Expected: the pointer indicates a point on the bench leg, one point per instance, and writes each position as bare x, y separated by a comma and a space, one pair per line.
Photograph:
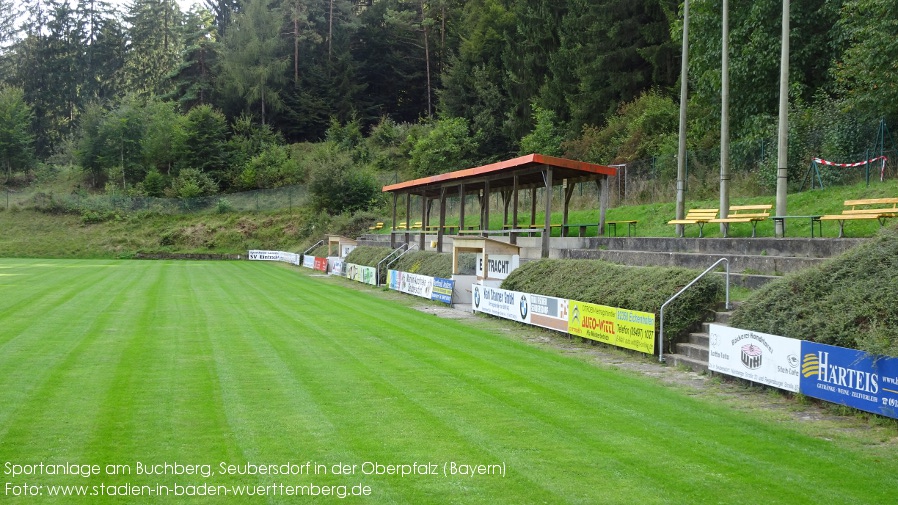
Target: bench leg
701, 230
726, 230
754, 225
630, 226
841, 229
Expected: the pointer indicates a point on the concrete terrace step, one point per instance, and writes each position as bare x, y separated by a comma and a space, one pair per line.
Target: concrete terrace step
696, 365
694, 351
699, 338
756, 264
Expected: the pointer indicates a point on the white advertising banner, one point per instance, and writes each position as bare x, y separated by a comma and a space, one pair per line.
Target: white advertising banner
413, 284
502, 303
335, 266
755, 356
308, 261
260, 255
498, 266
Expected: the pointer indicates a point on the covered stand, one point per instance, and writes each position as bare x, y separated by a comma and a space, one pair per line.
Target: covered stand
507, 178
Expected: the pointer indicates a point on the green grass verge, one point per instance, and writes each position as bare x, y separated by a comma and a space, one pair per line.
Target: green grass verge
120, 362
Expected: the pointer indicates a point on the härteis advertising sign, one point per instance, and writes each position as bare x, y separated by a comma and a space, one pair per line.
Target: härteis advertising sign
849, 377
755, 356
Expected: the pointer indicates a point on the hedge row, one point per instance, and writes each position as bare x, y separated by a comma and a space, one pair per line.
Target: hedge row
849, 301
643, 289
367, 255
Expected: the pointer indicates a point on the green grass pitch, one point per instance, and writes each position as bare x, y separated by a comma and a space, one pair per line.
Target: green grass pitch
127, 365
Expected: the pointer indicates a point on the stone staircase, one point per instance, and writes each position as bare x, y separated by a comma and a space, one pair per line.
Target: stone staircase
693, 353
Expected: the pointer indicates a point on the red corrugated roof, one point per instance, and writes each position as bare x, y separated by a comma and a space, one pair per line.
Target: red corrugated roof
522, 162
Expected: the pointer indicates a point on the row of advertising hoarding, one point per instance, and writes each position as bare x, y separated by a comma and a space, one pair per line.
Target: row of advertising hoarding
625, 328
835, 374
432, 288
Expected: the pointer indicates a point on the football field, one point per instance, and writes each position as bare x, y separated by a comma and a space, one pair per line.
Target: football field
252, 382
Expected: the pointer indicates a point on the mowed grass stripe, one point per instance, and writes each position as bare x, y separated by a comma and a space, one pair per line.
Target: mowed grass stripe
201, 362
61, 357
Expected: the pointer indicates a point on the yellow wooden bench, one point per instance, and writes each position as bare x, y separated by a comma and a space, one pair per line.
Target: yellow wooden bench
697, 216
417, 225
870, 208
377, 226
744, 214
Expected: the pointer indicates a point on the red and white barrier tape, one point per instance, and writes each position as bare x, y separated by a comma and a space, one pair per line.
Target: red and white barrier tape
882, 168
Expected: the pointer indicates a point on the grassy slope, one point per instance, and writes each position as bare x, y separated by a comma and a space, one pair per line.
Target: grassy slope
199, 362
32, 234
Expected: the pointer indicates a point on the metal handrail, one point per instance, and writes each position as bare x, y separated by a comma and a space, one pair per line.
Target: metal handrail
687, 286
407, 250
387, 257
314, 246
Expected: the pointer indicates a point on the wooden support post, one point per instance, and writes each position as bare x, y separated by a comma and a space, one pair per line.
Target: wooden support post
424, 209
547, 228
568, 193
393, 223
513, 237
485, 205
442, 219
461, 208
602, 183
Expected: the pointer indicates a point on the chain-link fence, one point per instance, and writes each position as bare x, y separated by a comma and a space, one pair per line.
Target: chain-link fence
284, 198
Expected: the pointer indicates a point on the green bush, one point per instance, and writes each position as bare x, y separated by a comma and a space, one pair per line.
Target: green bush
846, 302
367, 255
429, 263
642, 289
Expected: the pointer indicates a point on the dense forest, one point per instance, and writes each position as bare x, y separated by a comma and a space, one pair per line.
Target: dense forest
242, 94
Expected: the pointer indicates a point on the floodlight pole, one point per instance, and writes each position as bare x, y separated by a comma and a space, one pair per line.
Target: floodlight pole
725, 116
782, 155
681, 151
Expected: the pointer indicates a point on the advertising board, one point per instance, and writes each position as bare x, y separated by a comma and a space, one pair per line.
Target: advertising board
629, 329
755, 356
442, 290
549, 312
361, 273
320, 264
260, 255
308, 261
502, 303
498, 266
335, 266
848, 377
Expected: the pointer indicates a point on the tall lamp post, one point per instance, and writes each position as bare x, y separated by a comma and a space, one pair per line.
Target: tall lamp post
681, 151
782, 155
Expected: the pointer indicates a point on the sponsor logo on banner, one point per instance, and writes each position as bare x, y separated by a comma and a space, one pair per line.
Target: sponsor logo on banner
755, 356
308, 261
629, 329
442, 290
361, 273
501, 303
256, 255
549, 312
498, 266
320, 264
335, 266
850, 377
287, 257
